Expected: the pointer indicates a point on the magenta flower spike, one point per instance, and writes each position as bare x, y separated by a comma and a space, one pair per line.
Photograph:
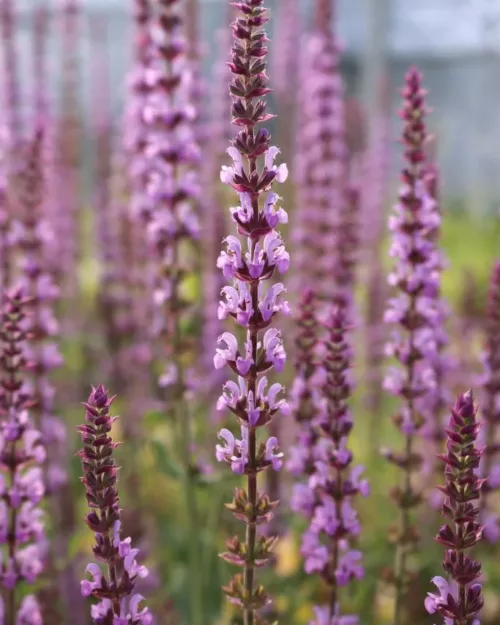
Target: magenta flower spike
21, 458
490, 466
118, 604
459, 599
327, 545
34, 239
412, 313
249, 261
169, 208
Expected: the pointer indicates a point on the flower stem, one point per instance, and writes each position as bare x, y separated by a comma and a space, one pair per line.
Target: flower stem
196, 603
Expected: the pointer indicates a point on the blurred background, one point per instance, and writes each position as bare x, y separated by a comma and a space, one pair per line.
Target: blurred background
455, 43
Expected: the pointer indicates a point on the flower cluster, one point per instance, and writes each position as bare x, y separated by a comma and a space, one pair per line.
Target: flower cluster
413, 313
253, 307
490, 467
21, 456
460, 600
327, 544
171, 156
34, 236
117, 604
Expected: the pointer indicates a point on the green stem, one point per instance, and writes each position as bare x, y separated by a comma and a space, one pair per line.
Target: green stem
196, 603
402, 549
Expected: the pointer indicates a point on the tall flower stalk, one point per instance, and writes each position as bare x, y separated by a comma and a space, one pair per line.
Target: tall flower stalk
22, 454
117, 602
170, 214
35, 239
459, 599
327, 543
491, 407
411, 312
251, 306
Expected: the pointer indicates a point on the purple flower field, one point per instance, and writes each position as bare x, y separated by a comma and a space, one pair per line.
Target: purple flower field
247, 375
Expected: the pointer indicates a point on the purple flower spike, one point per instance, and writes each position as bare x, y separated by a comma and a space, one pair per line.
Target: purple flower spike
118, 605
250, 261
413, 312
35, 240
460, 599
21, 486
333, 482
490, 467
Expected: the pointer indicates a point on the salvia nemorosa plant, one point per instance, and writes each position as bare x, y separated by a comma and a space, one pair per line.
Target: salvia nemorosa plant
251, 305
459, 598
490, 409
172, 160
117, 602
21, 459
34, 239
327, 544
411, 312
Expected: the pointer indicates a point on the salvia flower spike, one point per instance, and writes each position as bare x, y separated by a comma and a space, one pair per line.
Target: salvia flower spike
250, 264
22, 455
412, 313
118, 604
327, 545
459, 599
490, 466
